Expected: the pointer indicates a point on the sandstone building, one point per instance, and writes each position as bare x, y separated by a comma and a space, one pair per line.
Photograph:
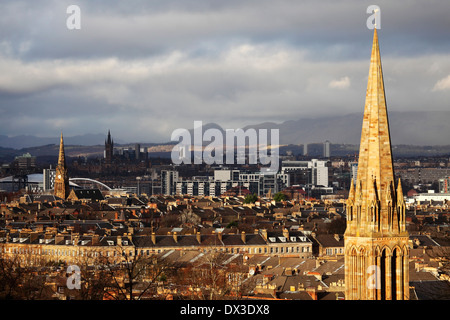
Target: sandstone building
376, 240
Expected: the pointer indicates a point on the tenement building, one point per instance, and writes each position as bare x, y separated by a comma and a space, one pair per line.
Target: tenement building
36, 248
376, 240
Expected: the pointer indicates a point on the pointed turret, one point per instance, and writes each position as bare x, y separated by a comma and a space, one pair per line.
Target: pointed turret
401, 207
351, 194
399, 191
109, 137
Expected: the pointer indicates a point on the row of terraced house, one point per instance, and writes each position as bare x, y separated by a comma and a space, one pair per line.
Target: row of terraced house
35, 247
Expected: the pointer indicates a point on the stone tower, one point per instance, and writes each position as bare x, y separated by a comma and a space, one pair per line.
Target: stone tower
109, 147
61, 178
376, 240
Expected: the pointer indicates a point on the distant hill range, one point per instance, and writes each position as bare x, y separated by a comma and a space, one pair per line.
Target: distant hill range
407, 128
27, 141
412, 133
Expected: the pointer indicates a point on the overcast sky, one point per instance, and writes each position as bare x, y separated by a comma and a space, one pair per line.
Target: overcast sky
145, 68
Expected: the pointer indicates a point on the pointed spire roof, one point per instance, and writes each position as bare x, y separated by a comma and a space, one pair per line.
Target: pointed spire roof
61, 156
109, 141
375, 154
351, 193
399, 191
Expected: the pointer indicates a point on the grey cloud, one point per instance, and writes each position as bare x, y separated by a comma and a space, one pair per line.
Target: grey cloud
144, 68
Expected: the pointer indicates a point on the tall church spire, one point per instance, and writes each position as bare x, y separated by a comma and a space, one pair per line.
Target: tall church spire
375, 178
376, 241
61, 188
61, 156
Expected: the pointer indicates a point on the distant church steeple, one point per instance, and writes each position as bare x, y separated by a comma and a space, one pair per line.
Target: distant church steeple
376, 240
109, 147
61, 189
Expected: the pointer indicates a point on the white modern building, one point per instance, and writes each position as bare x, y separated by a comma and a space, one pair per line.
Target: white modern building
317, 170
259, 183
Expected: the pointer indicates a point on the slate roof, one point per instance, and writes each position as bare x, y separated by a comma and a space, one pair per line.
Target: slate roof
329, 240
431, 290
92, 194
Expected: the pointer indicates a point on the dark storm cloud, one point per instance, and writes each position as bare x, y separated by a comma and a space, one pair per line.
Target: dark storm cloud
130, 29
147, 67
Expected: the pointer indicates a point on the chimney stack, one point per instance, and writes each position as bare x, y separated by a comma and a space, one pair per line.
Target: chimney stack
154, 238
285, 233
243, 236
199, 237
75, 237
175, 237
95, 239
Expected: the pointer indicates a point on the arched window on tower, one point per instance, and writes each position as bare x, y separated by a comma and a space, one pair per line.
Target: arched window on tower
383, 275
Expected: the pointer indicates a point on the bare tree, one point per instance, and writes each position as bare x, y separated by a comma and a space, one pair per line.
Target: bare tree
132, 277
20, 278
213, 277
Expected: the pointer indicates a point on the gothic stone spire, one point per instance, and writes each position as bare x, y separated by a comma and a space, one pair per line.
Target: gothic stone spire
61, 156
376, 239
375, 178
61, 188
